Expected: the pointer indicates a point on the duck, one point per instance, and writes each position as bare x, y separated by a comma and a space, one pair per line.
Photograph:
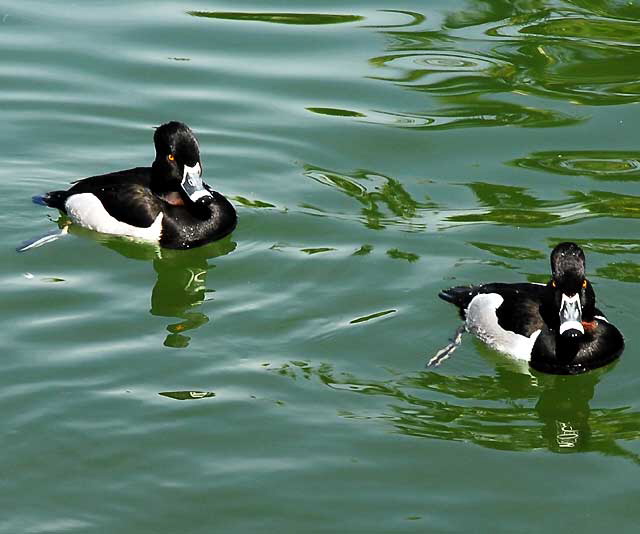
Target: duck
555, 327
167, 203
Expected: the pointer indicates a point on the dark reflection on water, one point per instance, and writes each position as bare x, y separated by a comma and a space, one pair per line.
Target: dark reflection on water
373, 191
509, 411
336, 112
181, 277
187, 395
278, 18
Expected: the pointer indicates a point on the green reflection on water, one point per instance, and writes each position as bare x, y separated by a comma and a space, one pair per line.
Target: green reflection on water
278, 18
587, 29
530, 48
508, 411
612, 246
516, 206
371, 316
599, 164
372, 190
252, 203
510, 205
511, 252
335, 112
608, 204
622, 271
364, 250
478, 113
609, 8
398, 254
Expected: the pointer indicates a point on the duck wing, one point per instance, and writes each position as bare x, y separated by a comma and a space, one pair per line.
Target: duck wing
519, 311
125, 196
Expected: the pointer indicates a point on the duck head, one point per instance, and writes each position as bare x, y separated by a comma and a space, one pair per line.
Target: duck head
177, 166
573, 295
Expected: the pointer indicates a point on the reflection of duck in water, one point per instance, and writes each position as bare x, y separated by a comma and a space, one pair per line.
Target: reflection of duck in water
181, 285
555, 327
181, 279
563, 408
571, 425
507, 410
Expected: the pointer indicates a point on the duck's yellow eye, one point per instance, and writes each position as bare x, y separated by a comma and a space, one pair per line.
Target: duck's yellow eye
171, 157
584, 284
553, 283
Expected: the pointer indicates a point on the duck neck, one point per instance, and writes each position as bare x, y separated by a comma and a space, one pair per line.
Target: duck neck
158, 184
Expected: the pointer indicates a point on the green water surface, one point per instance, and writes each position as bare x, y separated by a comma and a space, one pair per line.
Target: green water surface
275, 381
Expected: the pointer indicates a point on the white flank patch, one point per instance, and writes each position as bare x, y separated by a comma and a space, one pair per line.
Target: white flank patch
86, 210
482, 321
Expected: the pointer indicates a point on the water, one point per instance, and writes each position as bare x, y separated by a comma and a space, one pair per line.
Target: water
275, 381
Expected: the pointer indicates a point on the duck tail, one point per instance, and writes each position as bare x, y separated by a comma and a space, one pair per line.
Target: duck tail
38, 241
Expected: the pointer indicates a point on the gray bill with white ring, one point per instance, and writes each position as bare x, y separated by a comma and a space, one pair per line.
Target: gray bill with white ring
193, 185
571, 316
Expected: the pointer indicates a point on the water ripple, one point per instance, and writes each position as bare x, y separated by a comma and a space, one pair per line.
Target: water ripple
564, 54
517, 206
506, 411
599, 164
384, 199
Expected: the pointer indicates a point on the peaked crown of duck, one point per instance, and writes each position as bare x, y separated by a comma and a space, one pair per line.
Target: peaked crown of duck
573, 296
176, 138
177, 166
568, 267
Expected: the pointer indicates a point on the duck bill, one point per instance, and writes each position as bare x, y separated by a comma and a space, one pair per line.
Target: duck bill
193, 185
571, 317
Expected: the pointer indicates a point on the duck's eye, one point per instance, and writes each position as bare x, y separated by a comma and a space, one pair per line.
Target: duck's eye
171, 157
553, 283
584, 284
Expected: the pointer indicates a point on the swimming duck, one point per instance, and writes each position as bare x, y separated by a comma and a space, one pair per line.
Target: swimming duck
556, 327
167, 203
